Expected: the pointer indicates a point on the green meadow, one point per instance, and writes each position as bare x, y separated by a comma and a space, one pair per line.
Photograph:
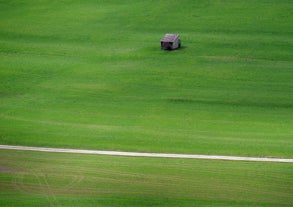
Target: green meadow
91, 75
51, 179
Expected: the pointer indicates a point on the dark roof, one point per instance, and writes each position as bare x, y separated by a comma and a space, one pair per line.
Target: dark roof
170, 37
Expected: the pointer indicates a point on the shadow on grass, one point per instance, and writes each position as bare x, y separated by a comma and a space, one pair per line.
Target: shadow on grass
178, 49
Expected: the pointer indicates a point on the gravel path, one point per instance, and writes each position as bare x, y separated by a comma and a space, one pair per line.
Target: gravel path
142, 154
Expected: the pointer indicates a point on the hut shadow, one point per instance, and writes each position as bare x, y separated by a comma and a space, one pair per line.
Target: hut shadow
177, 49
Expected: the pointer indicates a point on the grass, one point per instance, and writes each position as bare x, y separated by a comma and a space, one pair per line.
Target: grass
91, 75
42, 179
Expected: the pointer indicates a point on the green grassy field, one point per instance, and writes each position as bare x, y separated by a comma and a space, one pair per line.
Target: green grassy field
49, 179
90, 74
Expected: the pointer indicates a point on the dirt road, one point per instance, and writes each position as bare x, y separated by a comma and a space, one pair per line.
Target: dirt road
142, 154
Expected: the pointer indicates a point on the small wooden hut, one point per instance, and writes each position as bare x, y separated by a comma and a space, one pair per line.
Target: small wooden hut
170, 42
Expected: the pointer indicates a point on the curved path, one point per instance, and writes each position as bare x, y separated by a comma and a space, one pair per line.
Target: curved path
142, 154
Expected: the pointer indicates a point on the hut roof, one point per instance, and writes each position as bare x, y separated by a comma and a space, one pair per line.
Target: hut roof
170, 37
